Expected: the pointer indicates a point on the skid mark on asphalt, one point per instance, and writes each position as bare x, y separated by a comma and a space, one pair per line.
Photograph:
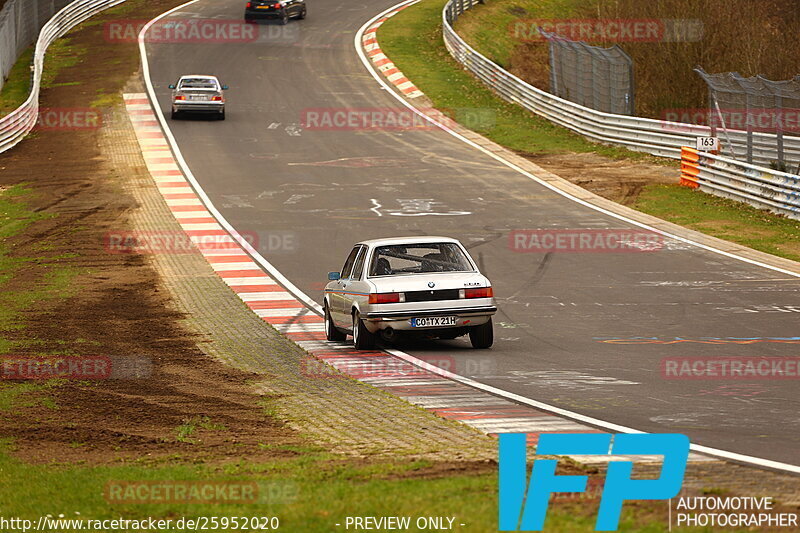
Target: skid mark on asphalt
273, 304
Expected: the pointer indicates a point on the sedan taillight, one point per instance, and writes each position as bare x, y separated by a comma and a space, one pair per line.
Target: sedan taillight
180, 97
249, 5
277, 6
217, 99
483, 292
386, 298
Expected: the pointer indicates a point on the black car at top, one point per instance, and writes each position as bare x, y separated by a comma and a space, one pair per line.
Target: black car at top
282, 10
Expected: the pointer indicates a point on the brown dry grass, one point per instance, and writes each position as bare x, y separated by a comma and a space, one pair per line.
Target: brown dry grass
748, 36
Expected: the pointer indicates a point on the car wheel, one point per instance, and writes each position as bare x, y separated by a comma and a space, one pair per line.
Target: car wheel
222, 115
284, 18
482, 336
174, 115
362, 338
332, 333
302, 14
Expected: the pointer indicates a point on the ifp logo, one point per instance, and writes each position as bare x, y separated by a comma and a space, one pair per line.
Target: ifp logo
521, 511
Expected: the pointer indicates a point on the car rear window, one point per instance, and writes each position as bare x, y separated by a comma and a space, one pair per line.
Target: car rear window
397, 260
198, 84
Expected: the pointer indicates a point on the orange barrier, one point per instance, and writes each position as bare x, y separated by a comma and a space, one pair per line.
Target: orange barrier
690, 167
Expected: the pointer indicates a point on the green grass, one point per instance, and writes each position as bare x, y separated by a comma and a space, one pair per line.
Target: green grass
18, 85
61, 54
722, 218
309, 493
185, 431
15, 396
495, 39
53, 281
15, 217
320, 497
413, 40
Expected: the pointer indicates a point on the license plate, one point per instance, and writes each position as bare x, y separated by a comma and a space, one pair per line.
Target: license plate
198, 97
434, 322
263, 7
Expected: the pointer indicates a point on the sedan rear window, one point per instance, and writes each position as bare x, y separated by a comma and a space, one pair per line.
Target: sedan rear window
403, 259
192, 83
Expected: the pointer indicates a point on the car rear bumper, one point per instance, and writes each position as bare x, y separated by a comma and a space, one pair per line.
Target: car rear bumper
401, 320
199, 107
457, 311
263, 13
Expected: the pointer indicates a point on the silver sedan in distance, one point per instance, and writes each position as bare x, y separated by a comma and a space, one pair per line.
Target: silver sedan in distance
198, 94
425, 286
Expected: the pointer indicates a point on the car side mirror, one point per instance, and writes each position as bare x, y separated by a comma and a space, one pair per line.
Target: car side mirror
333, 276
171, 85
225, 87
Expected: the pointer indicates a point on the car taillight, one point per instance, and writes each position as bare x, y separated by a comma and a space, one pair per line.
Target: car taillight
180, 97
217, 99
484, 292
277, 6
249, 5
385, 298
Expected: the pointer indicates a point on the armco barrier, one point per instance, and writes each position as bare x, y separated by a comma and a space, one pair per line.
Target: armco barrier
641, 134
763, 188
17, 124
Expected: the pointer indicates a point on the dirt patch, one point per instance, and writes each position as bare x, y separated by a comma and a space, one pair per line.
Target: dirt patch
617, 180
186, 406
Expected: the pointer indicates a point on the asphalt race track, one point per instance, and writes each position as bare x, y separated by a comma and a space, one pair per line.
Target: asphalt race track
584, 331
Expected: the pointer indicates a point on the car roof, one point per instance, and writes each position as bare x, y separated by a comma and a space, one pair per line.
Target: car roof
407, 240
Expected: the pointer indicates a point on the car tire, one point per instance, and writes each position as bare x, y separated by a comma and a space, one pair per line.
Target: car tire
332, 333
482, 336
362, 338
302, 14
174, 115
284, 20
222, 115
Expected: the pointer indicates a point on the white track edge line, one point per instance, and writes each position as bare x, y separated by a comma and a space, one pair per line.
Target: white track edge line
289, 286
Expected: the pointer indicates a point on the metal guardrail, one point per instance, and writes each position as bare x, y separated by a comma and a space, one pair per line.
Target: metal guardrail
17, 124
656, 137
776, 191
